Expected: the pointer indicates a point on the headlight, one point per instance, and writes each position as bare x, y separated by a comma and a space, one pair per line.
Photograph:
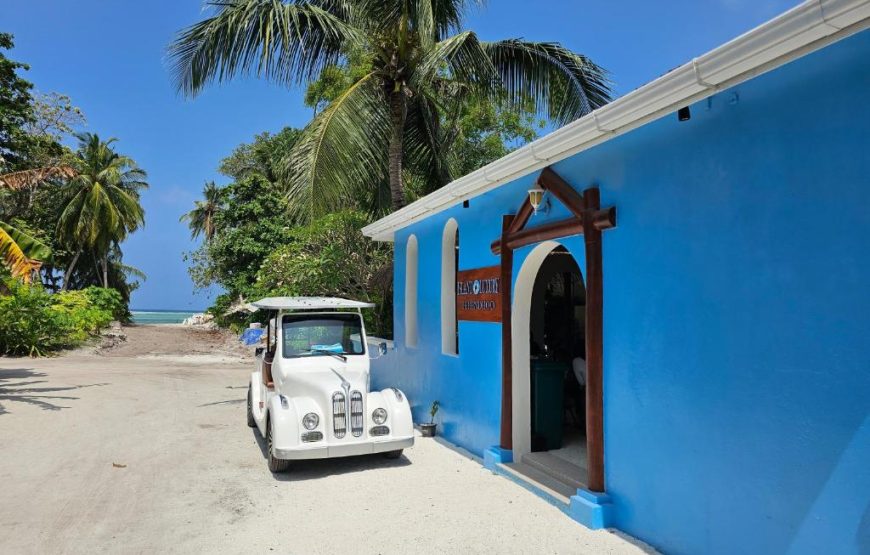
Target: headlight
310, 421
379, 416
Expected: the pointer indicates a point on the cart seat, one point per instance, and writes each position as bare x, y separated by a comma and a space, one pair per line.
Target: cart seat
267, 369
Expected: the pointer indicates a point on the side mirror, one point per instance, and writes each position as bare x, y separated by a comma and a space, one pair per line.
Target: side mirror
382, 348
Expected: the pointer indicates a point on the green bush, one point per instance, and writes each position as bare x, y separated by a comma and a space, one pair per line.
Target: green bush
34, 323
30, 324
108, 300
86, 316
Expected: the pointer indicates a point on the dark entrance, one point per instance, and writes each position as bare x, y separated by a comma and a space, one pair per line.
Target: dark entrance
558, 367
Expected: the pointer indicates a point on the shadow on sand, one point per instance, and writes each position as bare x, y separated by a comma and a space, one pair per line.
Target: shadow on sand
16, 385
315, 469
226, 402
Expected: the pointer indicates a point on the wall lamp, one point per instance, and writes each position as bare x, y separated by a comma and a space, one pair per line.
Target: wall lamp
684, 114
536, 199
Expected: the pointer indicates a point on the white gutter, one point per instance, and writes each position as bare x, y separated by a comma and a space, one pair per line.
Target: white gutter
797, 32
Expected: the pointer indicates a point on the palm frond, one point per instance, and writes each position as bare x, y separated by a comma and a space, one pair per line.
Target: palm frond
462, 57
424, 153
21, 253
562, 84
431, 19
407, 18
201, 220
130, 271
341, 151
286, 42
30, 178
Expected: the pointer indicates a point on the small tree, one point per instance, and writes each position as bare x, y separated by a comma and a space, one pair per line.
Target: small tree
331, 257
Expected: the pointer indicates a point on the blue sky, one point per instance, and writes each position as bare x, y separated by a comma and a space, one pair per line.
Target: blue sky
109, 56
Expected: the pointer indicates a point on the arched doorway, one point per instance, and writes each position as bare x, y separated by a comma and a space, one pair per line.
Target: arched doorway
548, 327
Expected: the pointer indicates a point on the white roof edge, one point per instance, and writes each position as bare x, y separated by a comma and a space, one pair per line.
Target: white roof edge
791, 35
308, 303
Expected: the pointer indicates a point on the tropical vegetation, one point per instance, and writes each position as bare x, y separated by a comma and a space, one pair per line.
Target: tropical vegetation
100, 204
34, 322
404, 100
414, 71
249, 220
331, 257
201, 219
63, 216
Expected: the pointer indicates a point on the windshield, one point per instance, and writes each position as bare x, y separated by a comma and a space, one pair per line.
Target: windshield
308, 335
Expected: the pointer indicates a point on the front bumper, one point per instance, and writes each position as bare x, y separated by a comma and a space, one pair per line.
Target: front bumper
343, 450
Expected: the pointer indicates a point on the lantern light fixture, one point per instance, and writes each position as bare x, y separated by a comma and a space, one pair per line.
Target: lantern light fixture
536, 199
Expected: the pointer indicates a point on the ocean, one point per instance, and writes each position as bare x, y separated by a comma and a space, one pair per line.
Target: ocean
160, 316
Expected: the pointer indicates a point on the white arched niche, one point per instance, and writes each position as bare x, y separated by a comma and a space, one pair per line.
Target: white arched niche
521, 415
411, 274
449, 256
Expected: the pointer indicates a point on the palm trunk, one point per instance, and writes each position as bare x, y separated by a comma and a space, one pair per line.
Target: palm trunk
397, 119
69, 270
106, 271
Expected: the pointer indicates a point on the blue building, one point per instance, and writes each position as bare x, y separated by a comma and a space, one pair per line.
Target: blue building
702, 246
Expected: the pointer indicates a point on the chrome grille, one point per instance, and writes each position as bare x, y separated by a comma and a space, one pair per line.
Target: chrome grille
356, 413
339, 414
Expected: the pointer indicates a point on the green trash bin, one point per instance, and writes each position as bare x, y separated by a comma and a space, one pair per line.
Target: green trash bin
548, 379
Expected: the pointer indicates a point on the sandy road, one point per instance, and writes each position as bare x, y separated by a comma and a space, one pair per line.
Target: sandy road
192, 477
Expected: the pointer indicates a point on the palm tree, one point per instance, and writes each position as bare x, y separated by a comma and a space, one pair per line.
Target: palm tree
22, 254
201, 219
422, 65
101, 203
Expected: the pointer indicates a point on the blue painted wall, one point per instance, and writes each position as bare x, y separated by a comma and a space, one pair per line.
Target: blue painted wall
737, 316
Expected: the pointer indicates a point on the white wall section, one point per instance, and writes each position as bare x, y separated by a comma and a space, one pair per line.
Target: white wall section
412, 266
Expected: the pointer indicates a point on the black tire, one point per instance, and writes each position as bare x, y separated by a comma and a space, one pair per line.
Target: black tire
275, 465
393, 454
251, 422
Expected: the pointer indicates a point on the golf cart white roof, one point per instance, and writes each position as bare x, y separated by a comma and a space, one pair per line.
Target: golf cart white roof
309, 303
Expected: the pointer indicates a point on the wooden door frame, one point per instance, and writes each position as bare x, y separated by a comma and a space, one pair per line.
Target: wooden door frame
589, 219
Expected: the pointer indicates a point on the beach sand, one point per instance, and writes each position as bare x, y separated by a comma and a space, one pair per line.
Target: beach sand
178, 342
144, 449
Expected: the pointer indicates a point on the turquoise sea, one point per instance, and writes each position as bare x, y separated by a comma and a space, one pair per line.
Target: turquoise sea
160, 316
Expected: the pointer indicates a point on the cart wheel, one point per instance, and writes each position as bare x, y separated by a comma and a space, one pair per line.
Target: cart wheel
393, 454
251, 422
275, 465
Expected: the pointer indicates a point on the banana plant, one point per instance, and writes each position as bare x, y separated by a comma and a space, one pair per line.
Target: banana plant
20, 253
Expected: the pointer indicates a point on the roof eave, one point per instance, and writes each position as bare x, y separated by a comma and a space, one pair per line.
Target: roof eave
793, 34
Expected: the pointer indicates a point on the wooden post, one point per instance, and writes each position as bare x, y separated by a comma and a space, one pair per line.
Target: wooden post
594, 344
507, 263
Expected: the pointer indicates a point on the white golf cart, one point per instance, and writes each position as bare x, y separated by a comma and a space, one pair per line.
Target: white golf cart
309, 396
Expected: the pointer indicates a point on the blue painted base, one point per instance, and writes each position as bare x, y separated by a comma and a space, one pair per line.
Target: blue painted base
496, 455
591, 509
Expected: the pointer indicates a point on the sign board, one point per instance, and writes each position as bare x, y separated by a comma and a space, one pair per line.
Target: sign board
477, 294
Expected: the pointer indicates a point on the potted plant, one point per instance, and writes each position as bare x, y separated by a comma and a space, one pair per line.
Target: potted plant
428, 429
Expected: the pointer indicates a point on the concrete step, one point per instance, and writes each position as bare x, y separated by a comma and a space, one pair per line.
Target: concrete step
557, 468
551, 487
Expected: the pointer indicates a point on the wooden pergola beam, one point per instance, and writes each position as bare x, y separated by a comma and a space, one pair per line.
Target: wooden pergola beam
521, 218
601, 219
559, 188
